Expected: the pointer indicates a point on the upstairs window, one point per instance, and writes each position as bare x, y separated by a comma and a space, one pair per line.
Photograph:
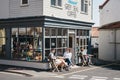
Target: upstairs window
84, 6
53, 2
24, 2
57, 3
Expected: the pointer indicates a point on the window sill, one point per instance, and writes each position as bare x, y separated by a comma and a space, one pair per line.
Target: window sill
24, 5
58, 7
86, 13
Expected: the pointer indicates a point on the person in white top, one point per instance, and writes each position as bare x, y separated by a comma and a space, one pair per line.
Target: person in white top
84, 55
84, 52
67, 56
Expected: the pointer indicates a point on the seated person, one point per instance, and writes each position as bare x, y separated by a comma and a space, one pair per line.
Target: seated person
84, 56
58, 61
68, 56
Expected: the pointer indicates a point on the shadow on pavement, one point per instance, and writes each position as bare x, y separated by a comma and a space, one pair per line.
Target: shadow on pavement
113, 67
8, 67
107, 64
18, 70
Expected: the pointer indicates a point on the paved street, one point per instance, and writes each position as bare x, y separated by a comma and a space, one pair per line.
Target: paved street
106, 72
111, 72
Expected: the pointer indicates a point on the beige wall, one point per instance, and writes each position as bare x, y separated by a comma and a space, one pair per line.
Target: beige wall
106, 46
110, 12
118, 44
63, 12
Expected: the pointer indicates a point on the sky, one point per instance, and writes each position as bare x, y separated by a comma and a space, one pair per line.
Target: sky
96, 4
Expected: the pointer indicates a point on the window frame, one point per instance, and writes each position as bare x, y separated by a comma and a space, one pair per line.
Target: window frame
56, 4
24, 4
84, 6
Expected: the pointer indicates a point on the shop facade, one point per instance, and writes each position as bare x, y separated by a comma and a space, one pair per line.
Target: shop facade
43, 33
29, 29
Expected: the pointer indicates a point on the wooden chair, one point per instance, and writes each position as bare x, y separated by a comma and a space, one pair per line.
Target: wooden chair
53, 64
84, 60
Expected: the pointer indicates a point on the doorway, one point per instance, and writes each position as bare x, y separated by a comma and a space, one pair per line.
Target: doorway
72, 46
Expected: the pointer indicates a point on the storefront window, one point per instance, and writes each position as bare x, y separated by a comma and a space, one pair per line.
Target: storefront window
47, 43
28, 31
47, 53
64, 42
53, 42
2, 43
64, 32
22, 31
87, 41
57, 40
81, 42
77, 42
83, 34
59, 32
79, 32
15, 31
82, 38
27, 43
84, 41
87, 32
59, 52
53, 32
47, 31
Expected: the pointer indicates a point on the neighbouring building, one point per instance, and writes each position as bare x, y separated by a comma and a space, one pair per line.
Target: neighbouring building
109, 39
108, 12
95, 37
42, 25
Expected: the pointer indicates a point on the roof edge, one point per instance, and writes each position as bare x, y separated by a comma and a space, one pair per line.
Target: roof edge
101, 6
113, 25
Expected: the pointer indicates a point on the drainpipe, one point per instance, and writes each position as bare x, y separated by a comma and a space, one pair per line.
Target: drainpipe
115, 46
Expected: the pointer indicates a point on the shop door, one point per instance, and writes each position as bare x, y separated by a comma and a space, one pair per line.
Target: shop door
72, 46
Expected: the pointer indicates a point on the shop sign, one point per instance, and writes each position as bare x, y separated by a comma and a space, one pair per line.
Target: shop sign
71, 7
73, 2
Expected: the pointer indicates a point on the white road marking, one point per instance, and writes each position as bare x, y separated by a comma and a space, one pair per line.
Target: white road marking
59, 76
81, 77
86, 69
116, 78
98, 78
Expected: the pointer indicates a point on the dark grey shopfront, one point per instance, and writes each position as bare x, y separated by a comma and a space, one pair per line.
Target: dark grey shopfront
43, 33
